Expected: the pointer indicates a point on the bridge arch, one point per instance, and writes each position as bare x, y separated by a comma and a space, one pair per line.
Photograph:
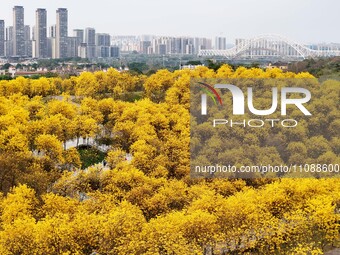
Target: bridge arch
268, 46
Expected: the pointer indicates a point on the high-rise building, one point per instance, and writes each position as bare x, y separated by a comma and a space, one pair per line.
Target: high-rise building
114, 52
144, 46
103, 51
161, 49
79, 34
18, 31
103, 40
61, 33
9, 33
33, 33
201, 44
2, 38
90, 40
9, 41
52, 31
220, 43
90, 36
189, 49
91, 51
40, 34
27, 41
51, 41
82, 50
72, 48
178, 45
51, 47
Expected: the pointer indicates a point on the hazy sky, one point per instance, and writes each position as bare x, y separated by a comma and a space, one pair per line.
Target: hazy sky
302, 20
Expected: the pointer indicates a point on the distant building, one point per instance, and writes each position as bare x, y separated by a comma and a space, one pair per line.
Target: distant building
189, 49
33, 33
72, 48
9, 41
220, 43
103, 51
53, 31
51, 47
51, 42
27, 41
126, 43
144, 46
79, 34
90, 36
40, 33
2, 38
91, 51
161, 49
114, 52
150, 50
18, 31
201, 44
325, 47
82, 50
61, 33
191, 67
103, 40
282, 66
90, 40
176, 45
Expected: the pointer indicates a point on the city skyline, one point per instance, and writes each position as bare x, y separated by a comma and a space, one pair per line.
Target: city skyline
88, 43
304, 21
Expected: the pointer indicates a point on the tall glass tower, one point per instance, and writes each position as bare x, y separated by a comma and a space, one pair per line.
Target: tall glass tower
18, 31
40, 33
61, 33
2, 38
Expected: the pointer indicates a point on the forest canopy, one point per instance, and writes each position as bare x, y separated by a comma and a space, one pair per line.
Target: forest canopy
143, 200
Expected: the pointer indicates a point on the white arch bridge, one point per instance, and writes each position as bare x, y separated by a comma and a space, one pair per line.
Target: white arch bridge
271, 46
